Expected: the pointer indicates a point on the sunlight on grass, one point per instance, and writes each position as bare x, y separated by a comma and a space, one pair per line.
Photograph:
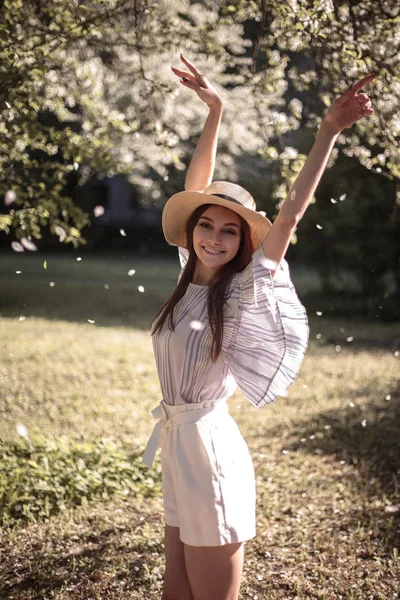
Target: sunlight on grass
325, 455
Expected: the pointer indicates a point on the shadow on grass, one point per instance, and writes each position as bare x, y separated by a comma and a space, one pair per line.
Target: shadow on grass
119, 308
368, 439
90, 559
98, 288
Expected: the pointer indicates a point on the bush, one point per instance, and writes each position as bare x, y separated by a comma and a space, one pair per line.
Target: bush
43, 476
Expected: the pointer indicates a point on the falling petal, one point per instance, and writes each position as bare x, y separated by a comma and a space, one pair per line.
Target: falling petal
122, 232
98, 211
364, 423
388, 397
18, 272
293, 195
22, 431
131, 272
10, 197
22, 318
106, 286
52, 284
45, 264
305, 386
61, 233
327, 426
17, 247
90, 321
319, 226
333, 201
197, 325
141, 289
28, 245
319, 313
396, 353
76, 166
350, 338
262, 212
338, 348
342, 197
352, 404
268, 263
79, 258
8, 104
318, 336
392, 509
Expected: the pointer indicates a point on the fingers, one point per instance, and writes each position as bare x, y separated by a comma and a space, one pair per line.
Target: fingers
190, 84
362, 83
195, 77
199, 77
190, 65
352, 91
362, 98
182, 73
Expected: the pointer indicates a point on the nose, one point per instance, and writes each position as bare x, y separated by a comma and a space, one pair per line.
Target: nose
215, 237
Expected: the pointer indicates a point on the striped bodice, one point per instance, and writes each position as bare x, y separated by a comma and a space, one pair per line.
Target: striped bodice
265, 337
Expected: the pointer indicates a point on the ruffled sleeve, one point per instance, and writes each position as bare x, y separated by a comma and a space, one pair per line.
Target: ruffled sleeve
265, 331
183, 258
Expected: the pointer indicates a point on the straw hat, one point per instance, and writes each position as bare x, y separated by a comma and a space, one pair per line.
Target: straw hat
180, 206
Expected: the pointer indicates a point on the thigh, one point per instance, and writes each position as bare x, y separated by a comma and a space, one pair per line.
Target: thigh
176, 582
215, 571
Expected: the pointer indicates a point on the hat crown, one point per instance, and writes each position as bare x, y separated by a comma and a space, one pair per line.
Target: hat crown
231, 191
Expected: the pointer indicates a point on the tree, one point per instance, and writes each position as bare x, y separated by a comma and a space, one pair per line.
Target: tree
86, 88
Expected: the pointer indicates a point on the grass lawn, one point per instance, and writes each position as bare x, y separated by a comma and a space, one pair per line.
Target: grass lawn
326, 456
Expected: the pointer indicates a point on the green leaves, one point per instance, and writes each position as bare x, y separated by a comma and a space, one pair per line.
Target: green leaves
88, 83
42, 477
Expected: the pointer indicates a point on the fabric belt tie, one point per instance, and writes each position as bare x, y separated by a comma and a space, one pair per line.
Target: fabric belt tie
190, 414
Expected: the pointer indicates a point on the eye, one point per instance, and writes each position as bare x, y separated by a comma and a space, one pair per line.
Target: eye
230, 231
205, 224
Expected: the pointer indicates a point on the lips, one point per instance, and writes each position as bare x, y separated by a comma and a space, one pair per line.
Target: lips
213, 252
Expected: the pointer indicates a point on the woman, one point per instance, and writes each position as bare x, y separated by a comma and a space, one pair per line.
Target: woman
234, 319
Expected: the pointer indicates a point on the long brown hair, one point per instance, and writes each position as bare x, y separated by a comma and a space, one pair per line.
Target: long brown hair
217, 289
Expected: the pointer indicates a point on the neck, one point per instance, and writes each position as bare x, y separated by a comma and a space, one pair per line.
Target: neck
202, 275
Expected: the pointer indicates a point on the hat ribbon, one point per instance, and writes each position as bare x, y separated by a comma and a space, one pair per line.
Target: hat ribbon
225, 197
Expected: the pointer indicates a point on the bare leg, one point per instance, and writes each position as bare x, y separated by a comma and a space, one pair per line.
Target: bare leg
215, 571
176, 583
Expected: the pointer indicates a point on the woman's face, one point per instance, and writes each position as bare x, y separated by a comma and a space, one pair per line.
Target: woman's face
216, 239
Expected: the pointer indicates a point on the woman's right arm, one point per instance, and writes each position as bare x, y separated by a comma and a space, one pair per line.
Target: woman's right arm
201, 168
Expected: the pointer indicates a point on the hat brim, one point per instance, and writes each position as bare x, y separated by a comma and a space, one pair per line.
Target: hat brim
180, 206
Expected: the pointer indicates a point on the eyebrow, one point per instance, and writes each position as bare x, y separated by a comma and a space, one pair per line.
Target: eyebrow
225, 225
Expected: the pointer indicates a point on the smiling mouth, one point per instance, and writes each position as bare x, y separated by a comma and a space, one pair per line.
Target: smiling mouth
213, 252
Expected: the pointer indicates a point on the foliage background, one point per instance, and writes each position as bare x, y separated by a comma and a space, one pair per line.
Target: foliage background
86, 89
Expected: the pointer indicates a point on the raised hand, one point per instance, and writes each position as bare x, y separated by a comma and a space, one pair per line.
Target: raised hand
197, 82
351, 106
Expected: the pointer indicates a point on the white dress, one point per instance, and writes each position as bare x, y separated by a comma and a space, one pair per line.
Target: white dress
208, 475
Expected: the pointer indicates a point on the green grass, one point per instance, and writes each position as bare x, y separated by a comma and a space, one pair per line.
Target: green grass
326, 456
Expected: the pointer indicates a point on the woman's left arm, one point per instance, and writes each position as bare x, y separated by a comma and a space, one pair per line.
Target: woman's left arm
345, 111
